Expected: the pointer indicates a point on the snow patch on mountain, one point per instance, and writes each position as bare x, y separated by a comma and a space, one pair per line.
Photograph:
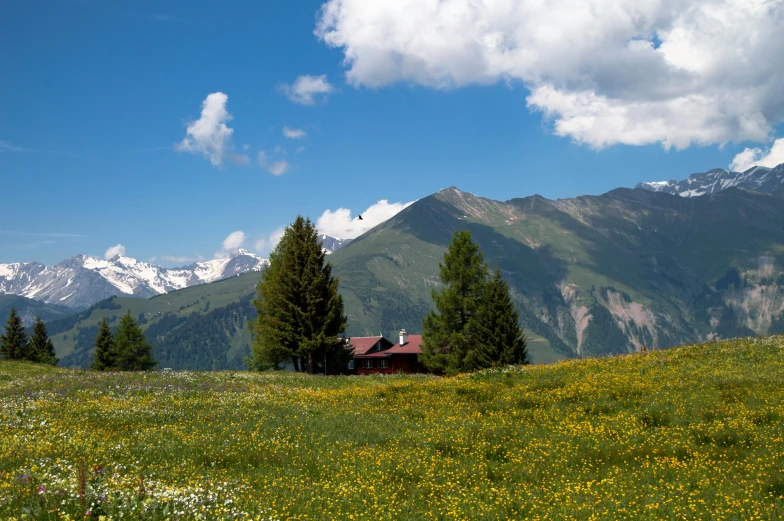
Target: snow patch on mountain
83, 280
757, 179
331, 244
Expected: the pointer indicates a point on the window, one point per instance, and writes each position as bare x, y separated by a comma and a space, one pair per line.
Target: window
384, 364
350, 364
367, 364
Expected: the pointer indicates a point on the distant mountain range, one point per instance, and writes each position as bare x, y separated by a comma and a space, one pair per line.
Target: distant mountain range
756, 179
81, 281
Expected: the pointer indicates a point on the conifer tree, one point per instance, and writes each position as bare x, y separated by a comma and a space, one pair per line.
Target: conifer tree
448, 329
40, 347
105, 355
13, 344
300, 313
134, 353
498, 338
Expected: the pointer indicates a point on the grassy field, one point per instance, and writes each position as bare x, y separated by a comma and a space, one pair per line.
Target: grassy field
688, 433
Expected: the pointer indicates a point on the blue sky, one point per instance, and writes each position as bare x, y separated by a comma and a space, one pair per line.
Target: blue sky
96, 99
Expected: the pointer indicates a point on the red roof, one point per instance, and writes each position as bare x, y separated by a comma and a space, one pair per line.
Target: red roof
363, 344
411, 347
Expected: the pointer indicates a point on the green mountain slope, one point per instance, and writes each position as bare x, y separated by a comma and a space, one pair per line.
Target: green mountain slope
201, 327
29, 309
594, 275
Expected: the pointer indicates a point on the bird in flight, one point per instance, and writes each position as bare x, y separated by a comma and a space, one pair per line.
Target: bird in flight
359, 217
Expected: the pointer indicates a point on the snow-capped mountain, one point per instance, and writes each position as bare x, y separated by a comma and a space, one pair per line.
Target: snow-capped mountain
757, 179
82, 280
330, 244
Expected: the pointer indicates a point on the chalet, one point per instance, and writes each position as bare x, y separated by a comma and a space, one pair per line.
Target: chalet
402, 357
364, 345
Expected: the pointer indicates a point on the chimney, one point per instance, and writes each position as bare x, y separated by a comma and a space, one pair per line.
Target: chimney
403, 337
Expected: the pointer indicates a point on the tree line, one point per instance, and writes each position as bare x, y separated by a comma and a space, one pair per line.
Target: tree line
125, 350
300, 318
301, 321
15, 345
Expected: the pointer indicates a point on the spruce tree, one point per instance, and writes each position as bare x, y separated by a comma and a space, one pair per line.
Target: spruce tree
498, 338
105, 355
13, 344
41, 348
134, 353
448, 329
300, 313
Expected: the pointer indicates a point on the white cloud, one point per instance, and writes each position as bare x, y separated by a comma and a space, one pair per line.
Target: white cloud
209, 135
113, 251
343, 225
294, 133
279, 167
264, 245
306, 88
234, 240
263, 160
300, 150
280, 150
675, 72
750, 157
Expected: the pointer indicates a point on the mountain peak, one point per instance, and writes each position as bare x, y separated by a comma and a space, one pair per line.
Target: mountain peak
756, 179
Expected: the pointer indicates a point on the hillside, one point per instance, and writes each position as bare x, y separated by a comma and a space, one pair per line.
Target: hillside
688, 433
593, 275
29, 309
202, 327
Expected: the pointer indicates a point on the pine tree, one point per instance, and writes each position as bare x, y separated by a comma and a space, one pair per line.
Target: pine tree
134, 353
105, 355
448, 329
300, 313
41, 348
498, 338
13, 344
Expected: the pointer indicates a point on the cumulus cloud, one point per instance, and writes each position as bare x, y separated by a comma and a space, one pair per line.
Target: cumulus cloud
264, 245
113, 251
234, 240
750, 157
341, 224
306, 90
209, 135
279, 167
294, 133
178, 258
603, 72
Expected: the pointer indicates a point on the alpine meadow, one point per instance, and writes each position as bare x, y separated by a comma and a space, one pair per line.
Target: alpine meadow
392, 260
